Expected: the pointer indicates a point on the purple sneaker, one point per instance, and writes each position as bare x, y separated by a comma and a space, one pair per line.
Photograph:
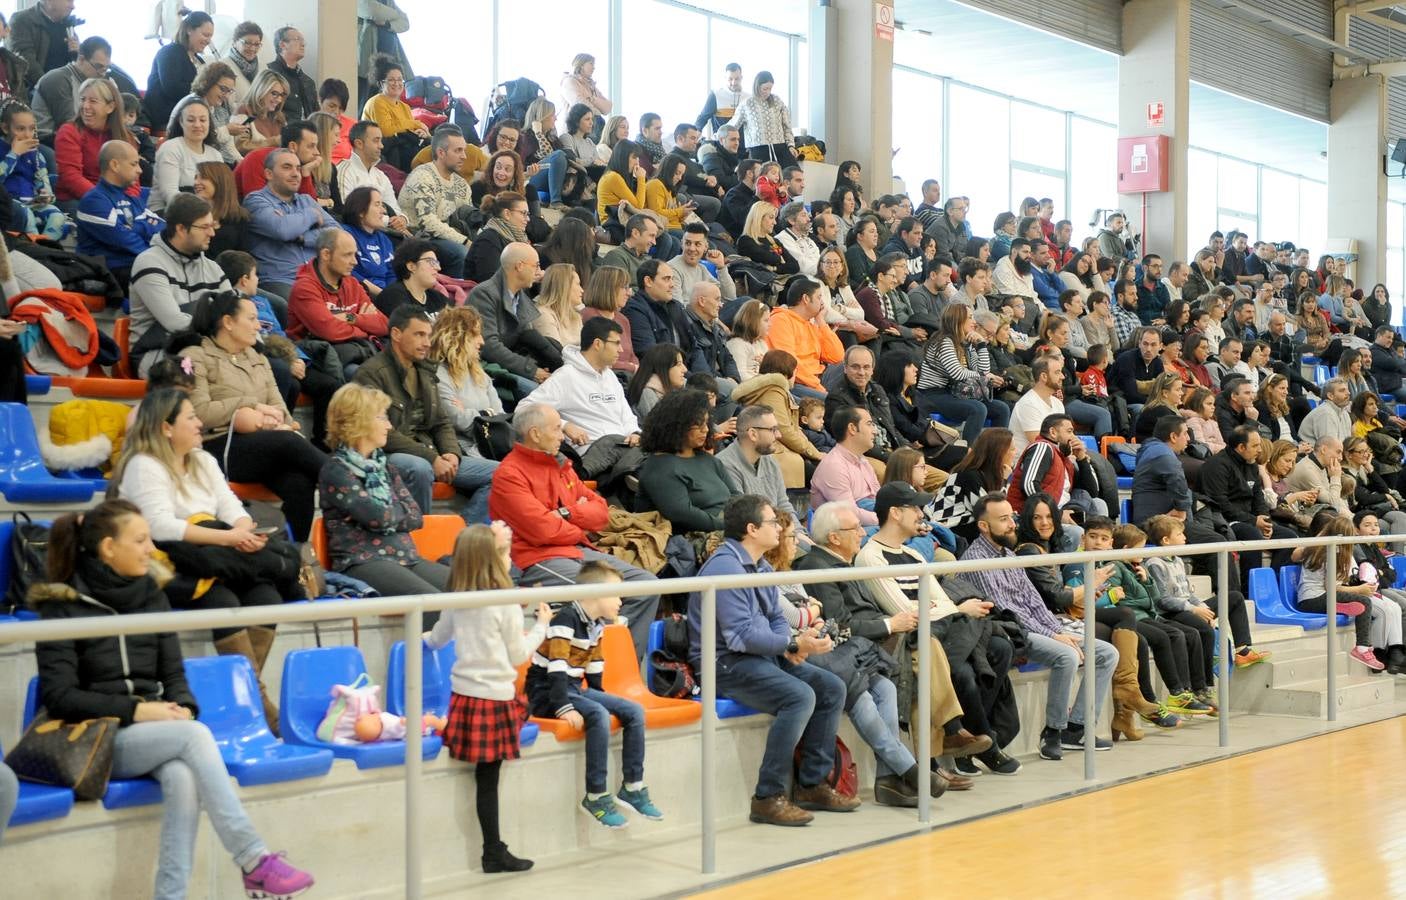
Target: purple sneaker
274, 879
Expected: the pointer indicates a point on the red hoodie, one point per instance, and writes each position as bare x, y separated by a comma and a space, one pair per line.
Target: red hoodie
529, 488
316, 311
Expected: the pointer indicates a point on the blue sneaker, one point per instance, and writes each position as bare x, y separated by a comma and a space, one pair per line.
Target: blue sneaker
604, 811
639, 801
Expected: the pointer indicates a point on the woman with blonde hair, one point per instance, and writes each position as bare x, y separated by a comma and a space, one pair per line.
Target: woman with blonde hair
1163, 399
367, 511
758, 244
559, 305
539, 145
616, 129
465, 390
324, 175
221, 559
262, 112
1356, 597
606, 296
77, 144
579, 86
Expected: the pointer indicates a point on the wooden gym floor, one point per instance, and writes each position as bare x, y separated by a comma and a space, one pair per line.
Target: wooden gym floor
1322, 817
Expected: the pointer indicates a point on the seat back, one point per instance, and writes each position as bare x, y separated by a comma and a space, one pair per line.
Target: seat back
1264, 588
435, 687
1289, 578
308, 678
622, 670
318, 539
228, 693
435, 539
1398, 566
122, 334
23, 477
31, 702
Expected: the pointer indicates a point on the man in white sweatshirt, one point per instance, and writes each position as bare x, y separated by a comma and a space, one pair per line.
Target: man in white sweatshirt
599, 425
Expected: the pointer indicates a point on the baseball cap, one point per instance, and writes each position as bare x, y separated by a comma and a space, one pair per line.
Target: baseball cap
898, 493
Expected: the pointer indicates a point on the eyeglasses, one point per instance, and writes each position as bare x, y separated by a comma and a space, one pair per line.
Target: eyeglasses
211, 227
770, 522
521, 212
278, 95
394, 81
432, 261
251, 44
224, 89
774, 429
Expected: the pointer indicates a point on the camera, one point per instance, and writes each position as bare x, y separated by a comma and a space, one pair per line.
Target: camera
73, 22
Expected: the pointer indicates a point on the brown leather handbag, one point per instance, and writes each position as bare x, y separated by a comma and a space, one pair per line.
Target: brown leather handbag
75, 755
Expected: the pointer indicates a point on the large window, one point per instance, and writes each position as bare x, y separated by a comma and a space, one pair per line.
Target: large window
442, 51
917, 138
1395, 257
1092, 164
546, 56
978, 148
661, 39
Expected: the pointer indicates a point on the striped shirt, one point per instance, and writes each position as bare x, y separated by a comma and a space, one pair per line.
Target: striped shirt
570, 653
941, 365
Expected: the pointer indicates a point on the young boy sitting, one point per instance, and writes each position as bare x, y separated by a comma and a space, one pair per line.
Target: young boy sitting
813, 424
1179, 604
571, 652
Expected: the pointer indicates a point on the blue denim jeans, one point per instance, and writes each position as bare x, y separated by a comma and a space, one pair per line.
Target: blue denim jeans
806, 701
875, 716
474, 478
596, 707
451, 256
551, 176
1063, 660
182, 756
972, 413
1090, 414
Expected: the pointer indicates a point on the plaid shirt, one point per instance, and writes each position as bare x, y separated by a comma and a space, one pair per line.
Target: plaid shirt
1124, 324
1011, 589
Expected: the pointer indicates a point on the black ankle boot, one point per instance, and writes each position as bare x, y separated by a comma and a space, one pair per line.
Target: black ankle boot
1396, 660
496, 858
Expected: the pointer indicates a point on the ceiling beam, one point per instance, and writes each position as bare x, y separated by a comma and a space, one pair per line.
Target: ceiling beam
1365, 6
1393, 68
1251, 13
1385, 22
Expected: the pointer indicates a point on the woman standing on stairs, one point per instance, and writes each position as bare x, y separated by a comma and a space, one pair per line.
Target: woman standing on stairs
221, 560
99, 564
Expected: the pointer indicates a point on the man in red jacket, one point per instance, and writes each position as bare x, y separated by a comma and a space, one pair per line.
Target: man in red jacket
328, 304
1057, 463
553, 515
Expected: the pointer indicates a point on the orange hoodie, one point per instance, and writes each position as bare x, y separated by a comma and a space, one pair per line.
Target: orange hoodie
814, 346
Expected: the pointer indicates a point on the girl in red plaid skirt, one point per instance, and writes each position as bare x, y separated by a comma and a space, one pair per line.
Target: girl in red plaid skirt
485, 713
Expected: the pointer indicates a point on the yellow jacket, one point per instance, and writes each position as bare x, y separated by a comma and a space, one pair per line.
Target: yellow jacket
392, 115
475, 161
658, 199
612, 189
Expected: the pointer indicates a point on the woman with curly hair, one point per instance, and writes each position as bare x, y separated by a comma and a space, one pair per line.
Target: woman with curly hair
504, 172
465, 390
680, 477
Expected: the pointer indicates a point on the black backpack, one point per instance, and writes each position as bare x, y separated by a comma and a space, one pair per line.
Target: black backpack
29, 557
670, 673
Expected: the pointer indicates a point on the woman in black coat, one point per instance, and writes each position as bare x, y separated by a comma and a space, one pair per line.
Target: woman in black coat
99, 565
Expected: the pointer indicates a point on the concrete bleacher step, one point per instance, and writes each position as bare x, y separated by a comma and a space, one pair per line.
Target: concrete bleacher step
1294, 682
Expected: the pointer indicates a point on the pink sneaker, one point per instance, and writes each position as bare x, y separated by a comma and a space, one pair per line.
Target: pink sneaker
274, 879
1369, 659
1351, 608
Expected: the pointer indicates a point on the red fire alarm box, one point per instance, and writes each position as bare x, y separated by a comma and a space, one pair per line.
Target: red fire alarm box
1143, 164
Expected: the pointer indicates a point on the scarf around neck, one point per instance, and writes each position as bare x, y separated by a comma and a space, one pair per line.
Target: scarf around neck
247, 68
126, 595
371, 470
509, 231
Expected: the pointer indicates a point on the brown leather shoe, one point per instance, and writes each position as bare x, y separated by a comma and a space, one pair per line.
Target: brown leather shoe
892, 790
964, 743
824, 798
778, 811
955, 781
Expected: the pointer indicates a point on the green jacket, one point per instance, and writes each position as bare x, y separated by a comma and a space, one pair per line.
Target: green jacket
1139, 596
435, 432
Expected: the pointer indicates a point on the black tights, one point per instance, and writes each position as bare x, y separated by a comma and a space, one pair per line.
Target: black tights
1362, 625
1180, 670
486, 802
221, 597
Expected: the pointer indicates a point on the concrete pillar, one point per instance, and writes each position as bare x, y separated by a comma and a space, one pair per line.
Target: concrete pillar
328, 26
1154, 69
863, 89
1357, 184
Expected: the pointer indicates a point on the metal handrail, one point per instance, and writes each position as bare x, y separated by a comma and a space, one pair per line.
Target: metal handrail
414, 606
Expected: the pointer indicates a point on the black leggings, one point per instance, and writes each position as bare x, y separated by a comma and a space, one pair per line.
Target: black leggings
1181, 671
222, 597
283, 461
1362, 625
486, 802
1239, 618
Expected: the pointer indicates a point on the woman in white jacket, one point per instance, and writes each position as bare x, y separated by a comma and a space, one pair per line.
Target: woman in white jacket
189, 143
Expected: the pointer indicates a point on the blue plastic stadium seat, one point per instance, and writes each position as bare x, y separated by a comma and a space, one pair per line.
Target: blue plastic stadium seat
1398, 565
1270, 608
23, 478
37, 385
1090, 442
435, 688
1289, 578
121, 792
39, 802
1321, 374
1125, 482
726, 709
1125, 511
308, 678
228, 693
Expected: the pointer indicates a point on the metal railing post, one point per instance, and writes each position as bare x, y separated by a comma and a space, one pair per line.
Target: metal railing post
1330, 578
414, 742
924, 723
708, 659
1090, 676
1227, 644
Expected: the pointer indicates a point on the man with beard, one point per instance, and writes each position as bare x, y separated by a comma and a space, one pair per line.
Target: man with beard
950, 228
1050, 641
1151, 292
1012, 276
750, 462
719, 157
1125, 318
1132, 372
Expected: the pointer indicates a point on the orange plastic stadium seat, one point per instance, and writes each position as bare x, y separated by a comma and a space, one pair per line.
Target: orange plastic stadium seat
101, 386
622, 678
436, 538
318, 539
122, 334
557, 728
1110, 439
249, 491
442, 491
